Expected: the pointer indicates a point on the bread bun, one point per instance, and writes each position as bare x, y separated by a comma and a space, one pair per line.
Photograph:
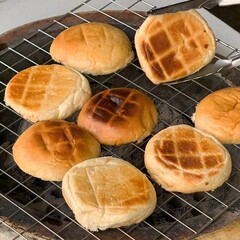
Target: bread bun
219, 113
47, 92
49, 148
107, 193
118, 116
92, 48
184, 159
174, 45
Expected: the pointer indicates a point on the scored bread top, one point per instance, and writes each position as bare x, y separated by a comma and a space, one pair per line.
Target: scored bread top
49, 148
47, 92
119, 115
108, 192
172, 46
93, 48
184, 159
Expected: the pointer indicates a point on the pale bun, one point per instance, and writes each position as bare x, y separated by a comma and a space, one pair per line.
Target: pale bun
174, 45
119, 116
93, 48
107, 193
49, 148
184, 159
47, 92
219, 113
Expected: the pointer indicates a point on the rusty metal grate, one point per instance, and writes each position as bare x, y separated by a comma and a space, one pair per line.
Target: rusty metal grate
34, 209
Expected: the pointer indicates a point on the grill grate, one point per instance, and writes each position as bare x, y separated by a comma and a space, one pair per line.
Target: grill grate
31, 208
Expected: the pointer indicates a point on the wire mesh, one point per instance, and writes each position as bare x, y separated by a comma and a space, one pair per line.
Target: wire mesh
34, 209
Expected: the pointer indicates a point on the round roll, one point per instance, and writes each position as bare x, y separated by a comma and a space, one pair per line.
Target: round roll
184, 159
47, 92
94, 48
107, 193
219, 113
48, 149
174, 45
118, 116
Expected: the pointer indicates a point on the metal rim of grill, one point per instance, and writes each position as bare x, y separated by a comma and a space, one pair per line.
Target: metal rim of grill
175, 213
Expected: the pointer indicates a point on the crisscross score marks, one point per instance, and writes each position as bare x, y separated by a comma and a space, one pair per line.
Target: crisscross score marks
190, 153
42, 87
175, 47
91, 37
61, 139
114, 105
102, 190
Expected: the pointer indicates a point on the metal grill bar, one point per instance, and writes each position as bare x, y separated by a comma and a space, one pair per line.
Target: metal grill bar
179, 92
192, 206
131, 6
36, 46
39, 196
27, 213
179, 221
23, 56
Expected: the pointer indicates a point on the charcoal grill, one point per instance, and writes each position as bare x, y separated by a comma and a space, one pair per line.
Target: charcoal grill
35, 209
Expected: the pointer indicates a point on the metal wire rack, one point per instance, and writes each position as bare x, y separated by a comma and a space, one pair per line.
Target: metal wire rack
34, 209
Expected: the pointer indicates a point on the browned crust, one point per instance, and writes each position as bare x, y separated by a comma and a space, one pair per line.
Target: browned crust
115, 116
172, 46
183, 159
48, 149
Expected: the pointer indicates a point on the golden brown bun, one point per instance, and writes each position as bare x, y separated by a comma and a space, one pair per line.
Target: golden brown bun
108, 193
219, 113
118, 116
172, 46
94, 48
49, 148
184, 159
47, 92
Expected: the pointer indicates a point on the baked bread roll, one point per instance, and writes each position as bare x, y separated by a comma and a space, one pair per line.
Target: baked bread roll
49, 148
107, 193
92, 48
219, 113
174, 45
118, 116
47, 92
184, 159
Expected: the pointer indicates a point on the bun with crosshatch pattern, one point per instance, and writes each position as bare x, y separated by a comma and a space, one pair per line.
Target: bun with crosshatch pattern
47, 92
174, 45
184, 159
108, 192
49, 148
119, 116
